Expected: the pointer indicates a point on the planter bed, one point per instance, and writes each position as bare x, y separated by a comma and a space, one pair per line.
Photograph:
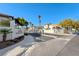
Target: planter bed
10, 42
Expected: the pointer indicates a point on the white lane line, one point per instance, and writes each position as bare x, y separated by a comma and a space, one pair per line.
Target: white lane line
68, 39
29, 50
49, 36
37, 44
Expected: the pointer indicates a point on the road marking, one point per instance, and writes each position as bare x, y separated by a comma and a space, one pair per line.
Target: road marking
29, 50
68, 39
49, 36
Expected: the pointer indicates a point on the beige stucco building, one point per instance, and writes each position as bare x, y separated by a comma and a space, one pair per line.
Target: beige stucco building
53, 28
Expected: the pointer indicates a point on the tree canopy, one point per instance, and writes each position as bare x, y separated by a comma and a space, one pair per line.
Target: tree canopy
70, 22
21, 21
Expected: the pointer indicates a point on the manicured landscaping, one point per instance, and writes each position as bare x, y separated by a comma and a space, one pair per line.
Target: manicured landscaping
7, 43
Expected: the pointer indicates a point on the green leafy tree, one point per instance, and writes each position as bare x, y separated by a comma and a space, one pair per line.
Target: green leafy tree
76, 25
70, 23
21, 21
66, 22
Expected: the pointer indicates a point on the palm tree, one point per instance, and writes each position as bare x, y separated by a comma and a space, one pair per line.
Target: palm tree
30, 24
39, 17
5, 32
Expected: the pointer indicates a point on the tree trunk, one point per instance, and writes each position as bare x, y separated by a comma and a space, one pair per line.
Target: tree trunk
4, 37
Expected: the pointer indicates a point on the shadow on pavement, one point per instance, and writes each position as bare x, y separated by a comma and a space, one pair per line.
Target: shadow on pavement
36, 37
35, 34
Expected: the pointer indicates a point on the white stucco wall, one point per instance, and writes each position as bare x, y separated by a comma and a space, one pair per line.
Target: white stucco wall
51, 29
1, 37
15, 31
48, 31
8, 37
54, 31
12, 35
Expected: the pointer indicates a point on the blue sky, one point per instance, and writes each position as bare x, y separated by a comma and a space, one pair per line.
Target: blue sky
51, 13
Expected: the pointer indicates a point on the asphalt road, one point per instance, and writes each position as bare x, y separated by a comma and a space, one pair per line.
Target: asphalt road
39, 38
48, 48
52, 47
44, 46
72, 48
